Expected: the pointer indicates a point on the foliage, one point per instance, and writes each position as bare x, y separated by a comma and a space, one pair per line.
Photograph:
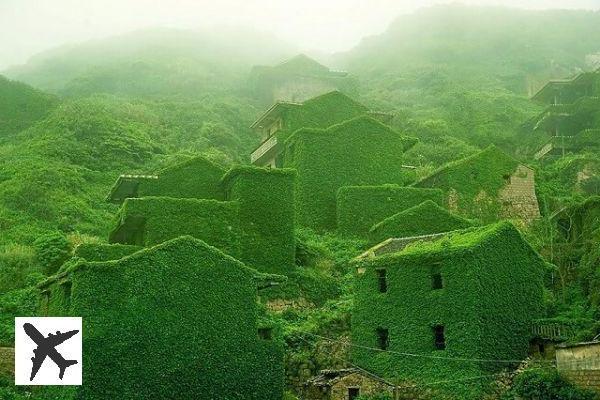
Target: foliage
547, 385
360, 151
104, 252
17, 303
21, 106
490, 277
152, 220
17, 262
51, 251
194, 178
423, 219
361, 207
485, 172
266, 216
151, 301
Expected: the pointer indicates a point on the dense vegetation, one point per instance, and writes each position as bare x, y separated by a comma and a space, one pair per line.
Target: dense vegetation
457, 78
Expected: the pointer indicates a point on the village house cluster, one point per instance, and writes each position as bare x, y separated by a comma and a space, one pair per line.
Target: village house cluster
193, 244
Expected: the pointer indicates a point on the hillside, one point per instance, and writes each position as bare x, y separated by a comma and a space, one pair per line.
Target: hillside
468, 71
21, 106
152, 62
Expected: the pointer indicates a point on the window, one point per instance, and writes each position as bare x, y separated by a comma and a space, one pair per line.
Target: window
265, 333
383, 338
506, 178
382, 280
67, 287
353, 393
439, 337
436, 281
436, 276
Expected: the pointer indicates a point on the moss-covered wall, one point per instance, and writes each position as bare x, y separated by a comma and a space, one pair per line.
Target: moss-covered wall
177, 321
153, 220
361, 151
194, 178
266, 214
472, 185
361, 207
104, 252
491, 291
424, 219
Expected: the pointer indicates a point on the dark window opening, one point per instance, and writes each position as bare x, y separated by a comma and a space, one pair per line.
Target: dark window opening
382, 280
353, 393
436, 281
439, 337
67, 287
383, 338
265, 333
541, 348
506, 178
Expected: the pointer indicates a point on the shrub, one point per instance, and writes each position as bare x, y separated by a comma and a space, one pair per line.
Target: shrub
547, 384
16, 263
52, 250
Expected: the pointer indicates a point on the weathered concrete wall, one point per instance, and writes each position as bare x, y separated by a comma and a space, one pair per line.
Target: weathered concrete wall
7, 363
518, 196
580, 364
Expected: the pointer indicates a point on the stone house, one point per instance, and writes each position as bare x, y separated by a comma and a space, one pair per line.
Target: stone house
466, 295
283, 118
489, 185
296, 80
346, 384
580, 363
178, 320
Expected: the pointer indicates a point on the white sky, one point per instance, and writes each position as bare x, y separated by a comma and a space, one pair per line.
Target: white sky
30, 26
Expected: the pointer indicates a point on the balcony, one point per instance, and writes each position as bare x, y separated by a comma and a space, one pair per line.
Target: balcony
266, 151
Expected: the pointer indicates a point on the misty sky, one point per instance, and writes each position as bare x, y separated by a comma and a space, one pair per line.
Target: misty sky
30, 26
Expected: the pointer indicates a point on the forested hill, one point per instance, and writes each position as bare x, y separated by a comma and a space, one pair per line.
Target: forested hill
153, 62
467, 72
21, 106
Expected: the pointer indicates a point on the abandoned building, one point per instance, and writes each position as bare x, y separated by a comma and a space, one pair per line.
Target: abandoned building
358, 152
284, 118
195, 178
424, 219
571, 118
253, 219
296, 80
178, 320
489, 185
346, 384
465, 296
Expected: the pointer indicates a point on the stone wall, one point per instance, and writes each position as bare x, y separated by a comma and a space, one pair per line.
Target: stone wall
580, 364
518, 196
365, 384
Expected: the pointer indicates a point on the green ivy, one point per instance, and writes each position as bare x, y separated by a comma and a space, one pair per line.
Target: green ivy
361, 207
491, 292
187, 309
423, 219
104, 252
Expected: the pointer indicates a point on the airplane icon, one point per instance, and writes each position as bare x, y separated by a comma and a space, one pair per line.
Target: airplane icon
46, 347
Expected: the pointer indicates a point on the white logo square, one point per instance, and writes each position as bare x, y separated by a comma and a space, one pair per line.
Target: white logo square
48, 351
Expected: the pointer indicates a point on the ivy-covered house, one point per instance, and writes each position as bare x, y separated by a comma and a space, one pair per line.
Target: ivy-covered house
358, 152
254, 220
178, 320
283, 118
489, 185
424, 219
572, 117
458, 307
195, 178
296, 80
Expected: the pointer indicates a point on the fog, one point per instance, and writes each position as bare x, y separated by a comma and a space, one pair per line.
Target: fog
30, 26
